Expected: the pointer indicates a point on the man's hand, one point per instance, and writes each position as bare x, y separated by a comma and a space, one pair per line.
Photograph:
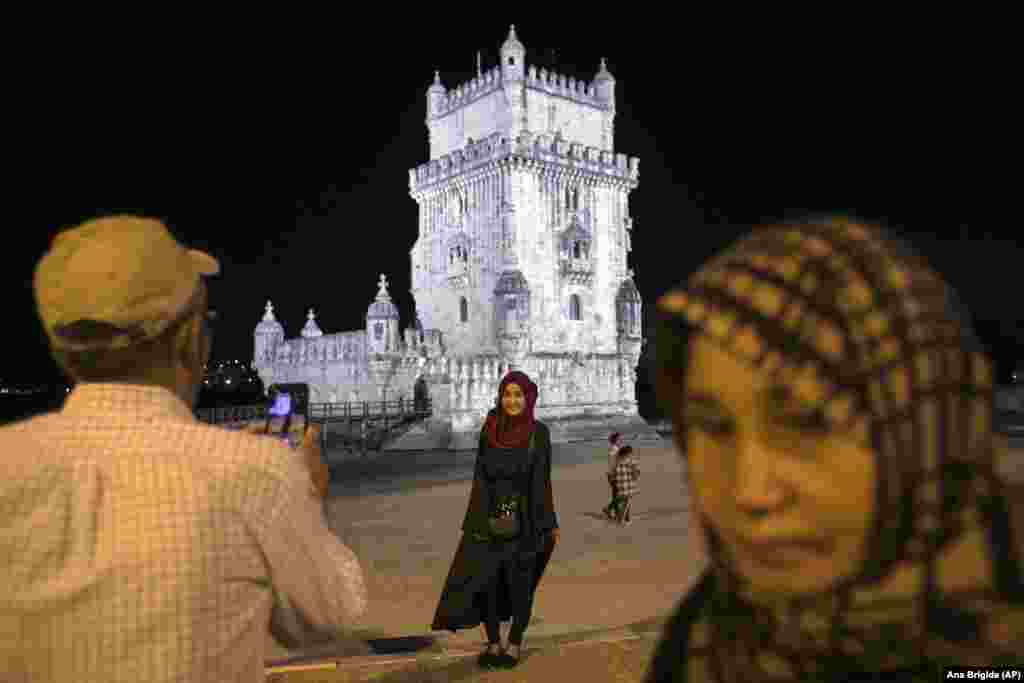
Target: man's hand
313, 457
554, 536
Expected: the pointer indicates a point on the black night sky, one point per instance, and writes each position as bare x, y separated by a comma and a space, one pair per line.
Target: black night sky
288, 160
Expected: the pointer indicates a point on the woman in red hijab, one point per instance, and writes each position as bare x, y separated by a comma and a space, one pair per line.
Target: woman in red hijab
510, 527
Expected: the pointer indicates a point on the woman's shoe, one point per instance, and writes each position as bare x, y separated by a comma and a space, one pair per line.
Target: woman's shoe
509, 661
488, 659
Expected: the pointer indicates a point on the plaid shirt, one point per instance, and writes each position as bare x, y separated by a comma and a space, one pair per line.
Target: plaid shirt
627, 473
138, 544
613, 457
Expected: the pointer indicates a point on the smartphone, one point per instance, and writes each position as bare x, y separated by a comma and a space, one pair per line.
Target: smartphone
283, 422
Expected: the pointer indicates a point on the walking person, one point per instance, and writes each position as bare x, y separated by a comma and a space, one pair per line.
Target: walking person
510, 528
137, 543
614, 444
627, 476
834, 412
280, 409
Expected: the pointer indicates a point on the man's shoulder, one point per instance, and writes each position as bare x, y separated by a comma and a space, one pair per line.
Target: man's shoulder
233, 455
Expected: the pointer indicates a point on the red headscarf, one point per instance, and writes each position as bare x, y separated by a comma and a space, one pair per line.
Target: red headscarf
512, 431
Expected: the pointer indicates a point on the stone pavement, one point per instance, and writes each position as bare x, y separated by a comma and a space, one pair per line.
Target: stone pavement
604, 582
624, 658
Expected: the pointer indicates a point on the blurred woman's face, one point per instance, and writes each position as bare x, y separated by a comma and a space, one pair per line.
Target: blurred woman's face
790, 498
512, 399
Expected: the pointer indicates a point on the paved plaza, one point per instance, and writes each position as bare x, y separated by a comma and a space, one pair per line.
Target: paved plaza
602, 578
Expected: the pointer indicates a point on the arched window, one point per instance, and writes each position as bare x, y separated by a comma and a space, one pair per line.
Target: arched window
378, 331
574, 307
511, 60
575, 199
575, 249
511, 317
463, 309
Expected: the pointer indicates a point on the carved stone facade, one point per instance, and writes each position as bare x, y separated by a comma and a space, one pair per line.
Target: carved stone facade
520, 262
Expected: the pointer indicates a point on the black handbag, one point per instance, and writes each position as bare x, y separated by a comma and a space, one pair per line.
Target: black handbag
504, 519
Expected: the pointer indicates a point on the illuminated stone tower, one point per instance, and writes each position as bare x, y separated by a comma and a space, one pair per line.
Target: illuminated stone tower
524, 225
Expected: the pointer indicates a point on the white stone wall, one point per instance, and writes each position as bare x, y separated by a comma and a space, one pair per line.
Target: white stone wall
468, 191
486, 113
548, 112
553, 102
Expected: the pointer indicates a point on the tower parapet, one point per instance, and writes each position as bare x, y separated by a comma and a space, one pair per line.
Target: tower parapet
568, 87
540, 148
599, 92
595, 93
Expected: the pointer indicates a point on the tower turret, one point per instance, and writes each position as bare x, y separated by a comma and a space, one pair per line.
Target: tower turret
513, 74
382, 334
269, 335
311, 329
513, 57
604, 82
436, 95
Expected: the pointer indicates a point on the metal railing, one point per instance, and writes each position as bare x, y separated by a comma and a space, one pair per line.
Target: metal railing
336, 412
373, 420
323, 412
232, 416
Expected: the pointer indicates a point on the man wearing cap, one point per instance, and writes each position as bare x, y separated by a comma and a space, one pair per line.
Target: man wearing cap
136, 543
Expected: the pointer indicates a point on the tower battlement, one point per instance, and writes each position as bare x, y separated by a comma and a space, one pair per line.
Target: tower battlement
469, 92
540, 148
515, 97
557, 84
549, 82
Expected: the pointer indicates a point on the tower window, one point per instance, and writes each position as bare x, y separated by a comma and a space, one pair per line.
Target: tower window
511, 60
378, 331
463, 309
574, 307
511, 317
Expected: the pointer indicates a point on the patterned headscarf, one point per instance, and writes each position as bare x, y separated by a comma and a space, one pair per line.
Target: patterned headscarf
870, 331
512, 431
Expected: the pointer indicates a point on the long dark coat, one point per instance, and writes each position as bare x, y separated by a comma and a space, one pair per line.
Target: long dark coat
462, 602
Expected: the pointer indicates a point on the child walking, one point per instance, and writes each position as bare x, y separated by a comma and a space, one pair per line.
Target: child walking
627, 474
614, 443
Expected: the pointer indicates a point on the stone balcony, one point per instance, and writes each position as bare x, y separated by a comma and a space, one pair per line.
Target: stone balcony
457, 276
577, 270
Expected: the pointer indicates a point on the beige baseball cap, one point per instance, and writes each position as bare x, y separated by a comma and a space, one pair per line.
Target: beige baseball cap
124, 275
